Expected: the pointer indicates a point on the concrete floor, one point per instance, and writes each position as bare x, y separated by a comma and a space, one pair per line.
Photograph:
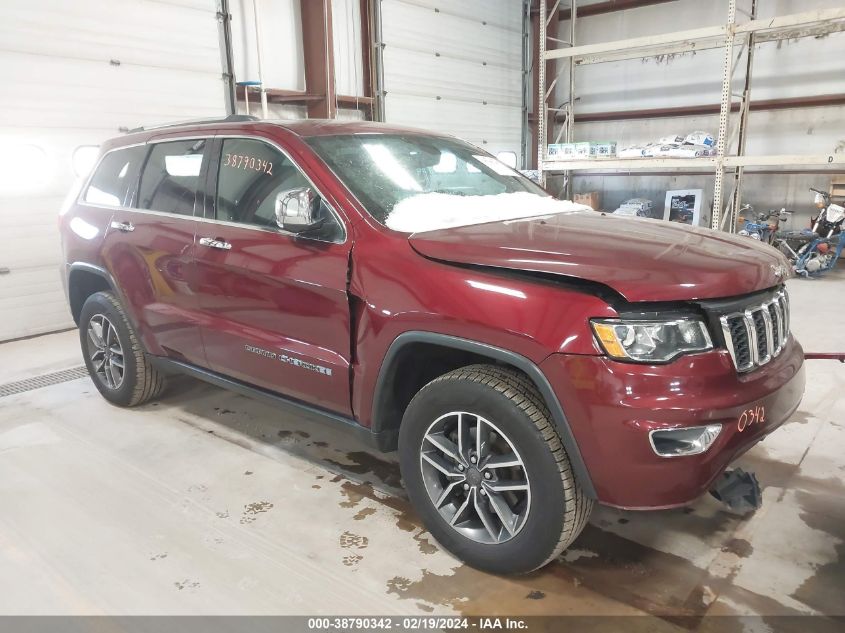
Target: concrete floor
209, 503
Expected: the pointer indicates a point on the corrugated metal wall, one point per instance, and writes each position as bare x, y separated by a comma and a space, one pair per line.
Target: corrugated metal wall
792, 68
74, 74
456, 67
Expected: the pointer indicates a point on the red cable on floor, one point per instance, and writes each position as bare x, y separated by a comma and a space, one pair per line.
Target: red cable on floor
825, 356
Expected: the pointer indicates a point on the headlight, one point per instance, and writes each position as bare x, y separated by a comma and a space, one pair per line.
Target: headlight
651, 341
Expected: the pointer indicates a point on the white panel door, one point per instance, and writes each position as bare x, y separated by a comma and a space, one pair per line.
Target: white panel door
456, 67
74, 74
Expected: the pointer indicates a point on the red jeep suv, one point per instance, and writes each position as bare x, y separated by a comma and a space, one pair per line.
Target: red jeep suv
526, 356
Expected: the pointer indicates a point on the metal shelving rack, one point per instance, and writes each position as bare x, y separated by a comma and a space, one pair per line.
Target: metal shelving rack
724, 36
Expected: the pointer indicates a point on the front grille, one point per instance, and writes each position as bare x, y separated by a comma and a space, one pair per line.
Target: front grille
758, 334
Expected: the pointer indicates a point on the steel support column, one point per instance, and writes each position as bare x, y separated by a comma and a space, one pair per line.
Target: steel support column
224, 22
744, 112
541, 113
318, 52
368, 56
724, 112
378, 62
541, 17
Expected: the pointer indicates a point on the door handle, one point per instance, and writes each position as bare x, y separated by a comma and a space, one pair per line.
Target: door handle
125, 227
212, 242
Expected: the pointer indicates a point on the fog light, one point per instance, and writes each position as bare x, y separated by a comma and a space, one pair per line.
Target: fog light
691, 440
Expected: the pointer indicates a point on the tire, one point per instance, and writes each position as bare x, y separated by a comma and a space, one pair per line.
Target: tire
545, 517
137, 381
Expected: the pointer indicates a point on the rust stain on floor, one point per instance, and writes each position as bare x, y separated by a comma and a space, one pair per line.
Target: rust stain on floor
252, 510
363, 513
385, 472
607, 572
738, 546
825, 590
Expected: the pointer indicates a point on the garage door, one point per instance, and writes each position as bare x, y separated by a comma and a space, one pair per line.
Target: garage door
74, 74
469, 87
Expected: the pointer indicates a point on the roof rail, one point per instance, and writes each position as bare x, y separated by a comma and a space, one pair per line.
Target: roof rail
232, 118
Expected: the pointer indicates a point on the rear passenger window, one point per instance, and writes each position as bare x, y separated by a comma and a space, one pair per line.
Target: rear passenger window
112, 181
170, 180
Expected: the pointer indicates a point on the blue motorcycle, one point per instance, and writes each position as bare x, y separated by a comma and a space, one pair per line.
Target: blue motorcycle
815, 251
761, 228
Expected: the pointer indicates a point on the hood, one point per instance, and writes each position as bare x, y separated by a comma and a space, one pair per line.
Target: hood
641, 259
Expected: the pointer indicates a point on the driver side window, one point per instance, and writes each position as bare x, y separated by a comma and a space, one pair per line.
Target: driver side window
251, 174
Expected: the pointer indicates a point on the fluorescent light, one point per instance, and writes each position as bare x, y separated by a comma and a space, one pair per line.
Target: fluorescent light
83, 229
187, 165
447, 165
391, 167
502, 290
497, 166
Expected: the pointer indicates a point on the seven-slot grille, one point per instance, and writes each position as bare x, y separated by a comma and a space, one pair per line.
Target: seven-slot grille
759, 334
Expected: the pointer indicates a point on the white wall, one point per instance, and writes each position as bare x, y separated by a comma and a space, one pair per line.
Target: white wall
453, 66
281, 41
456, 67
74, 74
348, 47
793, 68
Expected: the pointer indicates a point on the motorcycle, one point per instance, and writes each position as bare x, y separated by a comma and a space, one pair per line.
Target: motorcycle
761, 228
815, 251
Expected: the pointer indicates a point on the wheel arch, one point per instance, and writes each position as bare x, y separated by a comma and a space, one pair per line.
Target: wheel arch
391, 397
83, 280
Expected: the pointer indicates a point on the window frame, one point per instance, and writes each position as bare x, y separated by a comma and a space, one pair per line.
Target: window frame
199, 196
211, 184
131, 190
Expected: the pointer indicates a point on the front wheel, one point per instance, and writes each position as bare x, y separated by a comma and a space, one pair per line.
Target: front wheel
485, 469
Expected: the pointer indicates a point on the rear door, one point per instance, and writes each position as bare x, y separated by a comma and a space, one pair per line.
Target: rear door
149, 248
276, 312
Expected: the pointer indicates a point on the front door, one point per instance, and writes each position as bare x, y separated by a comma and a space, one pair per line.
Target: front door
276, 312
149, 249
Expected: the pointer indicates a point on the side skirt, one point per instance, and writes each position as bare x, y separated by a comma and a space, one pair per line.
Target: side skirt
382, 441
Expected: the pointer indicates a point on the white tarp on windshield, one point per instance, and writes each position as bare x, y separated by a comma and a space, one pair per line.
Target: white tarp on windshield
432, 211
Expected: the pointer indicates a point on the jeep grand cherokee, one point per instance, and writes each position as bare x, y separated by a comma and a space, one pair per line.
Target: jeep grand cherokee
527, 357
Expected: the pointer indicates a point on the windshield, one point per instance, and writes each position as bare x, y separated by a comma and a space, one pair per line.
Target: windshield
415, 183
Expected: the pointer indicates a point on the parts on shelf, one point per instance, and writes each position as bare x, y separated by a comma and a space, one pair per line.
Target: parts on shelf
696, 144
700, 138
531, 174
636, 207
583, 149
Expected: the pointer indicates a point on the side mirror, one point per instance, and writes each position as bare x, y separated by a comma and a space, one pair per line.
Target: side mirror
296, 210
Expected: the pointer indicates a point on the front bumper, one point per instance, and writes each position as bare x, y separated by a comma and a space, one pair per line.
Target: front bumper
612, 406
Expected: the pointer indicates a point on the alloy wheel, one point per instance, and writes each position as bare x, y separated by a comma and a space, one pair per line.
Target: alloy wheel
475, 477
105, 351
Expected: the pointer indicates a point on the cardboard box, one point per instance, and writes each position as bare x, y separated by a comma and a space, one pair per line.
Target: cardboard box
591, 198
561, 151
603, 148
582, 149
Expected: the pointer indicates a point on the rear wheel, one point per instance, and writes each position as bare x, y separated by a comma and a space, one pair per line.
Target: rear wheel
117, 363
486, 470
